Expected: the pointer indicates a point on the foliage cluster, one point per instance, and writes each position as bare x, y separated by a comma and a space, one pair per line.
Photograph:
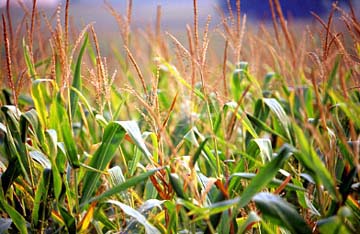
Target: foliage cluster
181, 138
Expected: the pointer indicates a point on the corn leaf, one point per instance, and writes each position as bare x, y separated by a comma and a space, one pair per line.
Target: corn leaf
113, 135
77, 83
275, 208
307, 155
63, 122
15, 216
41, 203
149, 228
265, 176
133, 181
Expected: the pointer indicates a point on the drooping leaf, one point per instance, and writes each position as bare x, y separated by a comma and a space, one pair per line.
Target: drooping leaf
246, 223
113, 135
282, 212
15, 145
260, 146
31, 118
150, 204
280, 115
116, 175
41, 158
133, 130
149, 228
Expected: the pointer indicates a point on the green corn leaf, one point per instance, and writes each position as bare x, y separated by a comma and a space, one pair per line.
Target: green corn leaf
273, 183
51, 138
244, 224
15, 144
100, 119
12, 126
177, 185
197, 153
63, 122
77, 83
15, 216
236, 80
39, 96
31, 118
331, 80
113, 135
307, 155
280, 115
341, 223
29, 64
275, 208
263, 126
267, 80
332, 225
265, 176
70, 221
12, 171
351, 109
133, 130
131, 182
104, 219
51, 142
149, 228
84, 100
61, 157
260, 146
242, 117
43, 195
215, 208
40, 158
192, 137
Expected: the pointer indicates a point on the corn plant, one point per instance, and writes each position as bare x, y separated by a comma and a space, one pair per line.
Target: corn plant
262, 138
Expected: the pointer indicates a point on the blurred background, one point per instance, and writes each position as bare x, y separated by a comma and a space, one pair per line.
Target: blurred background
176, 14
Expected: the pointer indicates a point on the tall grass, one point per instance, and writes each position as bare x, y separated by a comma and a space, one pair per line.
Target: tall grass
180, 138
